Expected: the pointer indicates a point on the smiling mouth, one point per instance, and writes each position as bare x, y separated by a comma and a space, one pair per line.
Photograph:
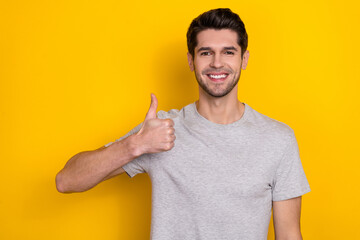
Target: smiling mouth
217, 77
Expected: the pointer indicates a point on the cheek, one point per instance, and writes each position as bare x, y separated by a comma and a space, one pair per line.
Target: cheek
236, 65
201, 64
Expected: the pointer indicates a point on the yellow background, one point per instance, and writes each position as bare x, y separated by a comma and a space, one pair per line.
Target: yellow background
75, 75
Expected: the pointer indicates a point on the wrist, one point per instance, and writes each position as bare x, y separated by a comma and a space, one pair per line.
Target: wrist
135, 146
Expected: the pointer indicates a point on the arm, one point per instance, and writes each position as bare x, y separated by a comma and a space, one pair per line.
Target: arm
286, 215
86, 169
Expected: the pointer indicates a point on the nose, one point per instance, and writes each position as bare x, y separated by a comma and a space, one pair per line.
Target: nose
216, 61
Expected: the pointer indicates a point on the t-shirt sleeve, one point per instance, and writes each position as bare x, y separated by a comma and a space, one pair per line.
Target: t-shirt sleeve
137, 165
290, 180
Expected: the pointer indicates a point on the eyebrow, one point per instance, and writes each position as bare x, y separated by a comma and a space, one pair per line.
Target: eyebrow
209, 48
230, 48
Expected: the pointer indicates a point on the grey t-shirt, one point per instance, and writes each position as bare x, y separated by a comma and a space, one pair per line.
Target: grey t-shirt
219, 180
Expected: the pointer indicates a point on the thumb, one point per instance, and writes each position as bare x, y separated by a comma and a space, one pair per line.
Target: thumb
153, 106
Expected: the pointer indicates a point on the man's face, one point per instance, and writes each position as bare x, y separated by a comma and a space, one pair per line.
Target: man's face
217, 61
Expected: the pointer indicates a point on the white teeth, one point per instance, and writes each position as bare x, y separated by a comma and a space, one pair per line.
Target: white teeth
217, 76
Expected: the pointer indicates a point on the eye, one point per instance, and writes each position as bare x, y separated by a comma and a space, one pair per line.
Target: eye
205, 53
229, 53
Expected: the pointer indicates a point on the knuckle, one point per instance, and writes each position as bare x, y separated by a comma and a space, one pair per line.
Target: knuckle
170, 122
165, 123
169, 146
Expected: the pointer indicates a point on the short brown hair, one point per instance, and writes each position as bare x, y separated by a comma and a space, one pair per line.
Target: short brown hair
221, 18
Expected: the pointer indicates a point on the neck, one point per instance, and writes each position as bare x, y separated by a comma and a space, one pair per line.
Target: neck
223, 110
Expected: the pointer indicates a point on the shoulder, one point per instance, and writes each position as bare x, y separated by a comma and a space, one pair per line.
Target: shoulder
173, 113
176, 113
267, 125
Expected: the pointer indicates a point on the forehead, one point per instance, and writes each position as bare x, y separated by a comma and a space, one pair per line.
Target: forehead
217, 38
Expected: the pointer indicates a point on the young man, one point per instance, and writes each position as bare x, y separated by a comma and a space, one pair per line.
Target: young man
217, 166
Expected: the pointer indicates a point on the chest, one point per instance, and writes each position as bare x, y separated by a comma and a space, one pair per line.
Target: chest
204, 165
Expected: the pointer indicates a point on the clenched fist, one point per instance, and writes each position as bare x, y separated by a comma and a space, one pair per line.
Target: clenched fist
156, 135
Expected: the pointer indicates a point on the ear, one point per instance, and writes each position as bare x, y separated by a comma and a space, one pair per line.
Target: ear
190, 61
245, 59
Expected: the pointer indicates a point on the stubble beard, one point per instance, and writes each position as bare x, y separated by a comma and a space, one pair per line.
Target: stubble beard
217, 92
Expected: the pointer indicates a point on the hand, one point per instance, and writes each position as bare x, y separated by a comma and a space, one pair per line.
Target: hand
156, 135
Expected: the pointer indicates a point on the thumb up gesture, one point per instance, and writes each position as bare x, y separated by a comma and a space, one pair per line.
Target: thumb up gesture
156, 135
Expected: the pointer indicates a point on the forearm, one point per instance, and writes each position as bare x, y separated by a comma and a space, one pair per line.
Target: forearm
86, 169
294, 236
290, 238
